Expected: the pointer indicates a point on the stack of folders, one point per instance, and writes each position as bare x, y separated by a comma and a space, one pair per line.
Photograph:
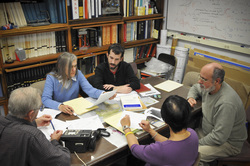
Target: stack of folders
132, 103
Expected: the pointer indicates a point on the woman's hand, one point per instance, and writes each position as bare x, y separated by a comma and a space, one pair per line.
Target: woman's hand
125, 120
66, 109
145, 125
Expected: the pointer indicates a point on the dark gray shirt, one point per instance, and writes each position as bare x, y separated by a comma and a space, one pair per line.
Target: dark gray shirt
22, 144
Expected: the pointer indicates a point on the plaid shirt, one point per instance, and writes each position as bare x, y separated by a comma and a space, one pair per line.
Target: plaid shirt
22, 144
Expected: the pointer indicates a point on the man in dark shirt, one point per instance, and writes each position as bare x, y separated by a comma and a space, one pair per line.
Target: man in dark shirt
21, 142
115, 74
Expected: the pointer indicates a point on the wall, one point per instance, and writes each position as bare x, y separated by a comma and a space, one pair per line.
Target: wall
230, 54
224, 52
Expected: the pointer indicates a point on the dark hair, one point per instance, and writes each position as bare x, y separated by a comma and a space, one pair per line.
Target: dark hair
218, 73
175, 111
117, 49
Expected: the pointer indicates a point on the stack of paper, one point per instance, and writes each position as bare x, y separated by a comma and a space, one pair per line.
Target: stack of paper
168, 85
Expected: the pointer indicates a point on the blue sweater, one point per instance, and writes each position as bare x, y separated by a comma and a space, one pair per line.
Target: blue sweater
54, 95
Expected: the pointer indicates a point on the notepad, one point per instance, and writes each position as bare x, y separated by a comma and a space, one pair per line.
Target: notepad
135, 119
168, 85
80, 105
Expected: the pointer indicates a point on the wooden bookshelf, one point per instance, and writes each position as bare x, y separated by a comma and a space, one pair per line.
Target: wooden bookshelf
50, 59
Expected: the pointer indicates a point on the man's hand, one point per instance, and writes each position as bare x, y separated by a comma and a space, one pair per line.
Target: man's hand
43, 120
66, 109
123, 89
108, 86
192, 101
56, 135
145, 125
125, 120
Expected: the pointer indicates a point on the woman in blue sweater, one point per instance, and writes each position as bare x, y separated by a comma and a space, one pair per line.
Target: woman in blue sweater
63, 83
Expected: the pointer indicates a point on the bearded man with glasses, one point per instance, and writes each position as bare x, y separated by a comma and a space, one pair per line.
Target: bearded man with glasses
223, 131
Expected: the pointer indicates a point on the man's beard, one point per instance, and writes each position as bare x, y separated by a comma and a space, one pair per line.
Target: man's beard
113, 68
209, 90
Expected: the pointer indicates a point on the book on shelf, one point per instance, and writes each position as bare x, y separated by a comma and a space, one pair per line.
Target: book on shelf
89, 9
75, 9
140, 30
80, 9
113, 33
3, 19
128, 32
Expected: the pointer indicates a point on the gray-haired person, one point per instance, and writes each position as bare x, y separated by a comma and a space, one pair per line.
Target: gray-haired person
223, 129
63, 83
21, 142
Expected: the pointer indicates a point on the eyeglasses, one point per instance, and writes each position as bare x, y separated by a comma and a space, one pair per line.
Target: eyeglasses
201, 78
41, 108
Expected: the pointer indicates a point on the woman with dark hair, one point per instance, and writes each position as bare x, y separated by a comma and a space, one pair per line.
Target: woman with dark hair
63, 83
181, 148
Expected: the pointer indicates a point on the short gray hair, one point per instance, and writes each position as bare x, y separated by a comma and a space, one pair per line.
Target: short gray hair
64, 61
218, 73
23, 100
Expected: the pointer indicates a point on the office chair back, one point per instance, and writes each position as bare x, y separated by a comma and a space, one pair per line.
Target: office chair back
170, 59
39, 85
242, 159
136, 70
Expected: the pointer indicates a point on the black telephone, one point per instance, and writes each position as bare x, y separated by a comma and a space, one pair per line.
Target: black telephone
81, 141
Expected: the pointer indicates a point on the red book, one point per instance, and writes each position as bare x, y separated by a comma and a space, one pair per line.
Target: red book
143, 88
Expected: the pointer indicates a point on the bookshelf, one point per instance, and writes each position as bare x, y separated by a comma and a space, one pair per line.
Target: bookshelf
45, 62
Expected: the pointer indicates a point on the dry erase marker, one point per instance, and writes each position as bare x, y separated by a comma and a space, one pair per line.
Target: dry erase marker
52, 125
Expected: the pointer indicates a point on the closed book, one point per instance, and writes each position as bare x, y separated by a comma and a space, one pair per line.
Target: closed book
143, 88
75, 9
131, 102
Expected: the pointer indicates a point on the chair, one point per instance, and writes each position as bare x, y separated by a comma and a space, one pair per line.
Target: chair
242, 159
170, 59
190, 78
39, 85
196, 163
136, 71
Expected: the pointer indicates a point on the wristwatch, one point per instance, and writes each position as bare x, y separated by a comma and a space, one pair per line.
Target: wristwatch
125, 127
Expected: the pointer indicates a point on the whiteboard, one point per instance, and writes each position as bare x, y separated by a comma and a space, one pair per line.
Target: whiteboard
221, 19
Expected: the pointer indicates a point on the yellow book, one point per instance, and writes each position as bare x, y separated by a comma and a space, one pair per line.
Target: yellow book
80, 105
140, 11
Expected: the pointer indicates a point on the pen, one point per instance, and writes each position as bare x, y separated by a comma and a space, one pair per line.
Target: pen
52, 125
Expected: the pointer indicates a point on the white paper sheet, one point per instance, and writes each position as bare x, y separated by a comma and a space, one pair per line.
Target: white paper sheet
103, 97
48, 111
90, 123
152, 91
48, 130
135, 119
116, 137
